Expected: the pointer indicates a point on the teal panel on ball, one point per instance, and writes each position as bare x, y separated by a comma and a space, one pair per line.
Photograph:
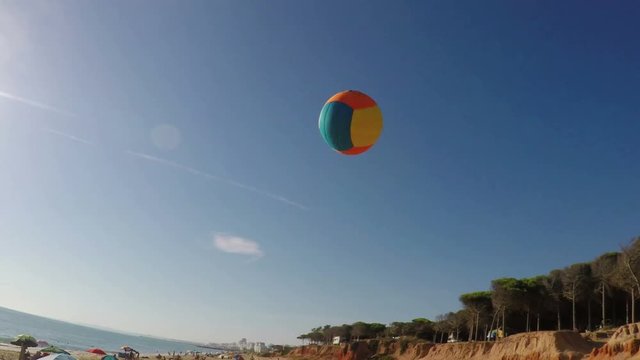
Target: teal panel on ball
335, 125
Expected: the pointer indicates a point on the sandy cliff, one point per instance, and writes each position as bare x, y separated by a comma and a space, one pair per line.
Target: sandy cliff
624, 344
543, 345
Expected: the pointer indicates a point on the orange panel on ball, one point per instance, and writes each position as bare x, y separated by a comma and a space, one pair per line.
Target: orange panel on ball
355, 99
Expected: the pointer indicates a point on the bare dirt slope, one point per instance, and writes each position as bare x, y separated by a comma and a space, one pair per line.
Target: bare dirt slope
543, 345
624, 344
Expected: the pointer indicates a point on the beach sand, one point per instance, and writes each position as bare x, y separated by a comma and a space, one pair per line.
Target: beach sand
11, 352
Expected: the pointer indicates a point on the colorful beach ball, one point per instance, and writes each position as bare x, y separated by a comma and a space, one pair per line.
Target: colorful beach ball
350, 122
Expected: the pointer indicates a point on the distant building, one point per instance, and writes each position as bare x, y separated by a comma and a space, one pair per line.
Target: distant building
242, 344
259, 347
336, 340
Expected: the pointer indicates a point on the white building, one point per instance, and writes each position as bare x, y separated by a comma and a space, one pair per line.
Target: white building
259, 347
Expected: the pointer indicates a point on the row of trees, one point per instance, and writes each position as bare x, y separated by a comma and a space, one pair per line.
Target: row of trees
450, 323
603, 291
358, 330
610, 281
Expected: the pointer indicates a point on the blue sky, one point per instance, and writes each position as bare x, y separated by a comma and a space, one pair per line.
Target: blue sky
163, 172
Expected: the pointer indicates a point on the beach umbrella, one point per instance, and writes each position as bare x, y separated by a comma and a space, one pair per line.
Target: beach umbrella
97, 351
52, 349
61, 356
24, 341
109, 357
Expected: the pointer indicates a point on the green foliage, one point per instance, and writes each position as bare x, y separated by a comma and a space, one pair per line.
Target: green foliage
605, 267
376, 330
373, 346
359, 330
542, 301
404, 344
576, 280
421, 328
396, 329
476, 296
501, 295
553, 284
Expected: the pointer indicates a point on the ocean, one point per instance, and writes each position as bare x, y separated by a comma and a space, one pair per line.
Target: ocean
77, 337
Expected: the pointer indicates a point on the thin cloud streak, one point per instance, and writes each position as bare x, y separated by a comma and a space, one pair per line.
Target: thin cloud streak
191, 170
197, 172
237, 245
68, 136
35, 104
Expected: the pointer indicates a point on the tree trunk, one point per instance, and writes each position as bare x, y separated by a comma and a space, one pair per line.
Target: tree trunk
589, 314
633, 305
558, 308
473, 328
435, 336
23, 350
441, 336
486, 332
573, 310
626, 305
603, 307
493, 318
477, 325
527, 321
635, 278
538, 322
504, 329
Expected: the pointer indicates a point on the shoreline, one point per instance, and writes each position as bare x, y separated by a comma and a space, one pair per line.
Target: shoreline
77, 353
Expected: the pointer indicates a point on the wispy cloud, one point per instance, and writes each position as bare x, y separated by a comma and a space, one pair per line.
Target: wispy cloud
43, 106
216, 178
68, 136
35, 104
237, 245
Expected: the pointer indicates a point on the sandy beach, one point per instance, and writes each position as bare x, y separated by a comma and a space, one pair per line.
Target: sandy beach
11, 352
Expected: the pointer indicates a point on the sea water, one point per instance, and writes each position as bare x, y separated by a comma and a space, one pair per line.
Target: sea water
77, 337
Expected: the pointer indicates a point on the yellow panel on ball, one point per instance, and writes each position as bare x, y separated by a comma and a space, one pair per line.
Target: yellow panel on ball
366, 126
